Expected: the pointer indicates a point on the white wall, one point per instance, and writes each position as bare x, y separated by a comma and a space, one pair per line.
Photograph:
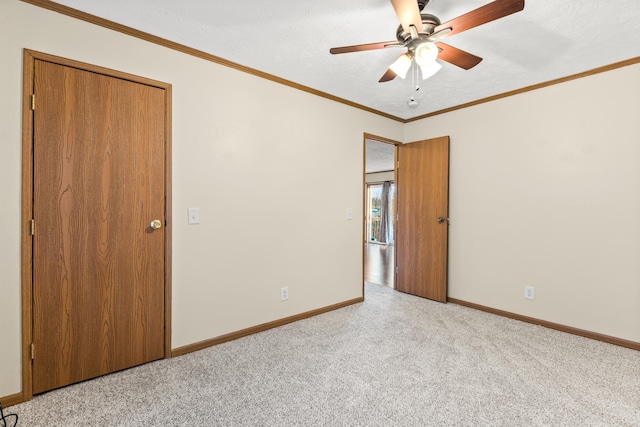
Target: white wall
248, 152
545, 191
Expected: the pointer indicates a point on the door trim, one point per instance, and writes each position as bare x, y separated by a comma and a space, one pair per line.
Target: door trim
29, 58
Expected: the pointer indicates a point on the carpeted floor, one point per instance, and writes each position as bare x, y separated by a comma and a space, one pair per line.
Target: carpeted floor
394, 360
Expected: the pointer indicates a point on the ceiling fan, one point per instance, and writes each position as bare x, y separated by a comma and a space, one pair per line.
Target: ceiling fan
420, 33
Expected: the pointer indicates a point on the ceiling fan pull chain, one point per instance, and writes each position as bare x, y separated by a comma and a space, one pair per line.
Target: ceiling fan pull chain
413, 78
413, 103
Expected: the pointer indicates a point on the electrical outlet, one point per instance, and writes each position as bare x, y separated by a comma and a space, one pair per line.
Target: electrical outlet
284, 293
529, 292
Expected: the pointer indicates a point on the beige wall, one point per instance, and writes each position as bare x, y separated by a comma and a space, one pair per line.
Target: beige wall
246, 151
545, 192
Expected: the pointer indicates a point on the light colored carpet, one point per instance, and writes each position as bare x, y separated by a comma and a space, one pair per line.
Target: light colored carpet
394, 360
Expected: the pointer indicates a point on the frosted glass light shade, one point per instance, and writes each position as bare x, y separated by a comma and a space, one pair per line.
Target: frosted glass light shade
426, 53
429, 69
401, 65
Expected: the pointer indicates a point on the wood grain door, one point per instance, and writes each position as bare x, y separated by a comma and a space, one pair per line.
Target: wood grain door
422, 227
98, 266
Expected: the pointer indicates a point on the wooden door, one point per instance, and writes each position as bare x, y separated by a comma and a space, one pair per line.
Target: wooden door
422, 227
98, 266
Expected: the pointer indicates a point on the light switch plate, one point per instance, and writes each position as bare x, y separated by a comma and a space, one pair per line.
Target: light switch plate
349, 213
194, 216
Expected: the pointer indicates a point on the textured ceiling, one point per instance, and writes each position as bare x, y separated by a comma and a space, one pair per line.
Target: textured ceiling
290, 39
379, 156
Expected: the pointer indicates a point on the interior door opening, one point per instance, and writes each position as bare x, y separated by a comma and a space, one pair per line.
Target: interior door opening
380, 213
414, 260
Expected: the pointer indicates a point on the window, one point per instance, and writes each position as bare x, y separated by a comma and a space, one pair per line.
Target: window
379, 217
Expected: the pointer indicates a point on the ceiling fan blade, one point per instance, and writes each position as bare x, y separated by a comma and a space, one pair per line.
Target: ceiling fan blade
457, 57
408, 14
439, 34
487, 13
388, 76
361, 47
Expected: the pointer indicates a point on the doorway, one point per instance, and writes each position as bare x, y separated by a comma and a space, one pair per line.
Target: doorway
417, 260
380, 212
96, 209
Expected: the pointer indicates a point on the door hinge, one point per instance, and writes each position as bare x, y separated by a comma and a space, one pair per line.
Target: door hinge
33, 351
33, 101
33, 227
396, 269
398, 164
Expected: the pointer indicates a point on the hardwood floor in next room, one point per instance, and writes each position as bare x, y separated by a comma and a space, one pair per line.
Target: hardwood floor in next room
378, 264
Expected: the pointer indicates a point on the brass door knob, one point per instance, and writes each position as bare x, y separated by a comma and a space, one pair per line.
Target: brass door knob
155, 224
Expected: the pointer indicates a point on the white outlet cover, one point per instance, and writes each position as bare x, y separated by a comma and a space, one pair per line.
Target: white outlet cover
529, 292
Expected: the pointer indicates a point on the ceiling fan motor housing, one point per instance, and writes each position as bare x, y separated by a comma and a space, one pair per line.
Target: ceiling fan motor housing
429, 23
422, 4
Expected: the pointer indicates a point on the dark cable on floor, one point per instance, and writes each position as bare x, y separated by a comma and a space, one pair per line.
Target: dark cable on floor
4, 419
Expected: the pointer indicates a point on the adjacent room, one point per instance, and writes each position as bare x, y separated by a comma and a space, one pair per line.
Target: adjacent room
377, 212
380, 211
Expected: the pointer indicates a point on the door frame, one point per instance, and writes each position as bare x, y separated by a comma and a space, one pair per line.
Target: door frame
29, 58
363, 241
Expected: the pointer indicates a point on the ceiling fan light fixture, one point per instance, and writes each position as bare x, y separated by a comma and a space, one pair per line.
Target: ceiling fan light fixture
429, 69
426, 53
418, 31
401, 65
